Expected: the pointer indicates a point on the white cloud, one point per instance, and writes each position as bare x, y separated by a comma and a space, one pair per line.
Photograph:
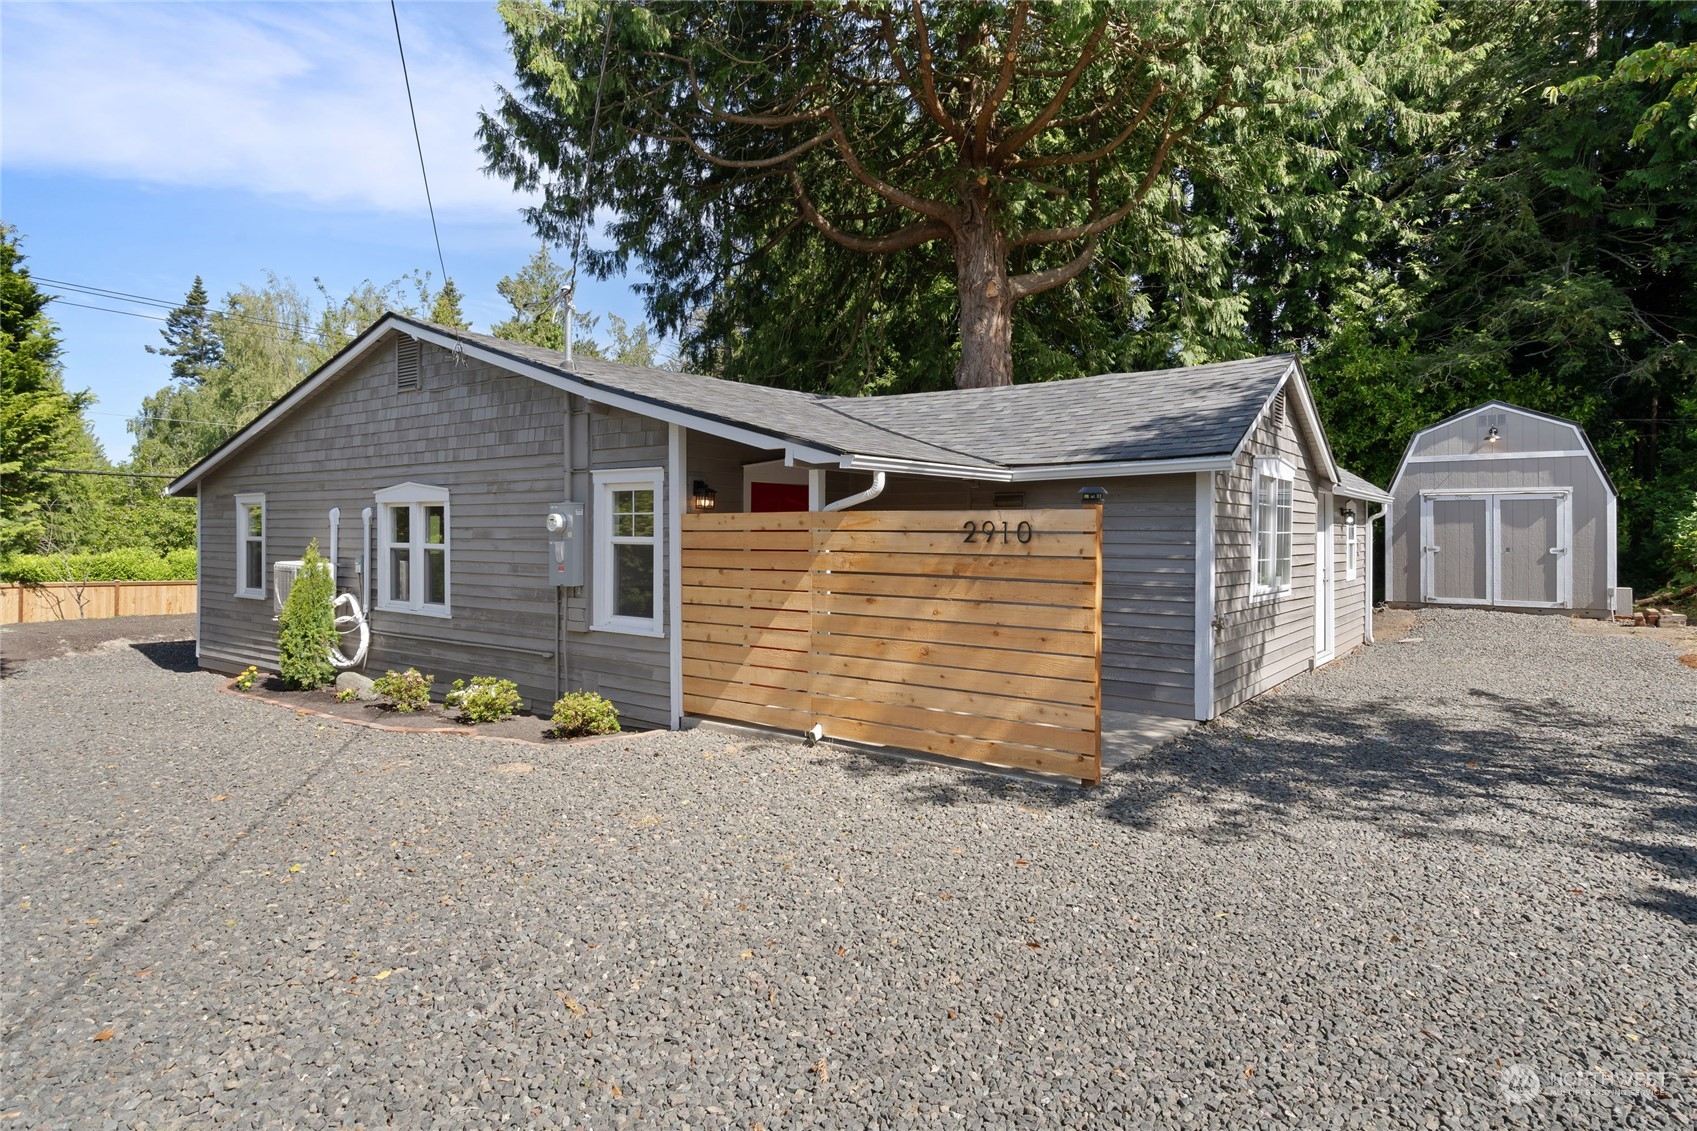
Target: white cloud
303, 101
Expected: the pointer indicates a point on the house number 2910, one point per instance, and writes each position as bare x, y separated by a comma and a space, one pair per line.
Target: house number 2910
988, 532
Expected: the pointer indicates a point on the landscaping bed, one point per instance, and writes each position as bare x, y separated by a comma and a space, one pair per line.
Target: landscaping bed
434, 719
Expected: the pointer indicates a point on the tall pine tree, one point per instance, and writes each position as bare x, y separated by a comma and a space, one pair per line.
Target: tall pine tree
191, 338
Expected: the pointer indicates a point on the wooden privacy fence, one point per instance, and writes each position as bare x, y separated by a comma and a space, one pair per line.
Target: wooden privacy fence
975, 635
27, 604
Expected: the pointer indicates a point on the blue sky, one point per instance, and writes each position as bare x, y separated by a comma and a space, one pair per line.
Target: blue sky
142, 144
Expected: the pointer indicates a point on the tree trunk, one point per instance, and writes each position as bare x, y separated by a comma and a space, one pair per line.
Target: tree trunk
986, 303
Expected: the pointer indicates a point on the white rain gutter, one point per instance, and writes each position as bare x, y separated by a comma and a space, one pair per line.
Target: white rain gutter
872, 492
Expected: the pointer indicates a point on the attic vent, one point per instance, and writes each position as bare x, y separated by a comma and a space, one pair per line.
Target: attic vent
1490, 420
1276, 413
406, 363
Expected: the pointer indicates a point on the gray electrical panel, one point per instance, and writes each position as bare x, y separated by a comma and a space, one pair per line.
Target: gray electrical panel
566, 537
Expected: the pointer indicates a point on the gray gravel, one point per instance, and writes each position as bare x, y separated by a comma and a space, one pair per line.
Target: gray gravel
1353, 903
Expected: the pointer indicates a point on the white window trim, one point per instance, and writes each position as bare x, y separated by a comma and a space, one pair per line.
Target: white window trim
1351, 548
417, 496
243, 502
627, 479
1269, 467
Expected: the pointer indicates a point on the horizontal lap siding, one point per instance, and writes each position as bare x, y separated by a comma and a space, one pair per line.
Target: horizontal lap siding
1264, 640
492, 440
1351, 595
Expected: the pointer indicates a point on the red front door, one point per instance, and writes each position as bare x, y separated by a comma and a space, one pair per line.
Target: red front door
764, 497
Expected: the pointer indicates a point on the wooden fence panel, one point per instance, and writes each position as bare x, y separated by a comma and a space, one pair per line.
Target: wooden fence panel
97, 600
970, 634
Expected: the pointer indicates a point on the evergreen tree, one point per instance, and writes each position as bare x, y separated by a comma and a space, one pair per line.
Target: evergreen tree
40, 422
534, 292
191, 338
445, 311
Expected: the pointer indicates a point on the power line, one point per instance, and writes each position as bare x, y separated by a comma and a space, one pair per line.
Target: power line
85, 291
419, 141
114, 474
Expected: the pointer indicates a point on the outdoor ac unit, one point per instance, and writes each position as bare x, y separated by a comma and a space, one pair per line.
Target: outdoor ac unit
284, 579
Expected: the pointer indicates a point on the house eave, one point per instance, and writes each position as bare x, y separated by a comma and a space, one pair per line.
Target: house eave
1106, 469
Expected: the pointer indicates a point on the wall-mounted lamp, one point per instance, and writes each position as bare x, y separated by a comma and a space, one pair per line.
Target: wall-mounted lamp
1492, 435
1092, 496
702, 497
1348, 515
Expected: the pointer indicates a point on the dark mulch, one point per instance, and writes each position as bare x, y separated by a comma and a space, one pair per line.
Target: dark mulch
526, 726
21, 643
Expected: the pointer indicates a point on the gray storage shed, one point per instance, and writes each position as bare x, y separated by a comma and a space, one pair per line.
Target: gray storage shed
1504, 507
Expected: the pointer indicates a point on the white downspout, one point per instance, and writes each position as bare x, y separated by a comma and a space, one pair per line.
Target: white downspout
365, 558
872, 492
1367, 603
335, 535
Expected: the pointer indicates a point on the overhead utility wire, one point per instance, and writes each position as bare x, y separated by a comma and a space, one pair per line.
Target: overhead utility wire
570, 291
419, 141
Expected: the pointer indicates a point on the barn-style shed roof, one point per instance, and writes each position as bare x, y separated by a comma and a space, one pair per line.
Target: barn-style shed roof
1193, 418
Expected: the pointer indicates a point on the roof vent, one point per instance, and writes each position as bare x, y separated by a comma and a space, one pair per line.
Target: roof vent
406, 363
1276, 412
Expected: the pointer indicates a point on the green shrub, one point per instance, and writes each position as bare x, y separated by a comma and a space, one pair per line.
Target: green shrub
346, 695
489, 699
112, 565
306, 628
584, 712
406, 691
1682, 545
245, 681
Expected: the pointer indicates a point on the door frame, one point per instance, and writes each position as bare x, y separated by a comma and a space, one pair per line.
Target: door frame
1325, 582
1492, 498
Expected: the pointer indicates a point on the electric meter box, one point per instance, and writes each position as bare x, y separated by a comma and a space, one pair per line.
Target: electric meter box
566, 538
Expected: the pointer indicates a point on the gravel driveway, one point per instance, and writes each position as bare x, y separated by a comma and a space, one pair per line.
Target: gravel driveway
1365, 900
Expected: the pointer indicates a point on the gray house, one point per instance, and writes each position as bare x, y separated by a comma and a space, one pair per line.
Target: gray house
1502, 506
1234, 548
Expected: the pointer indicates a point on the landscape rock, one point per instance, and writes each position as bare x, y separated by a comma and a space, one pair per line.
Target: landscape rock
361, 685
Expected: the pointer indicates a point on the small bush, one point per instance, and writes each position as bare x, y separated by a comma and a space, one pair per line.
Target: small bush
245, 681
306, 628
584, 712
112, 565
346, 695
488, 700
406, 691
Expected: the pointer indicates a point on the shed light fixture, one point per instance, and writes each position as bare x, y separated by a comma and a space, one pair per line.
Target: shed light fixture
1092, 496
1348, 515
702, 497
1493, 435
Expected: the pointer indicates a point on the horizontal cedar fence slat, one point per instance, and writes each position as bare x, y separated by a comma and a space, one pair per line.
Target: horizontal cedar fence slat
981, 612
99, 600
1081, 668
891, 628
964, 565
1048, 594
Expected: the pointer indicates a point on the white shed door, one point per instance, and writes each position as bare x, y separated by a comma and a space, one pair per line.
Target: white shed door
1457, 540
1529, 551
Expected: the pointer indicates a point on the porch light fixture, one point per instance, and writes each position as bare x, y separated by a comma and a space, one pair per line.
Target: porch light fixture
1092, 496
1492, 435
702, 497
1348, 515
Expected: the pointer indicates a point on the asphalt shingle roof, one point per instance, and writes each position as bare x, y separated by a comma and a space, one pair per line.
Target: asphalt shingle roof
1200, 410
1358, 488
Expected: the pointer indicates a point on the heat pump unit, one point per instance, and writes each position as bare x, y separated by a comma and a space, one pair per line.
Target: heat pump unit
284, 579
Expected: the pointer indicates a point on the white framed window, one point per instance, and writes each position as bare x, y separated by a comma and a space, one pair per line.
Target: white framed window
1270, 522
1350, 550
413, 548
250, 546
629, 526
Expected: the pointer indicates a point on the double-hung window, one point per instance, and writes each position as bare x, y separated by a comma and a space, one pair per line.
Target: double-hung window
1271, 522
628, 563
1350, 549
250, 546
413, 549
